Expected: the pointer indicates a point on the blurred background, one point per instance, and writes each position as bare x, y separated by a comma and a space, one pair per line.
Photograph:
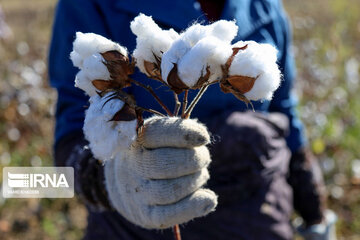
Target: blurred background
327, 49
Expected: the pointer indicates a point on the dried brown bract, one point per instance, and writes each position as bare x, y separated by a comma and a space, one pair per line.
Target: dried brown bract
203, 79
178, 86
237, 85
127, 113
119, 67
175, 82
153, 69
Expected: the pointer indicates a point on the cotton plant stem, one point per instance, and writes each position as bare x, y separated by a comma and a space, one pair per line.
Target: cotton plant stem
140, 120
184, 104
151, 111
177, 104
151, 91
176, 230
195, 101
186, 114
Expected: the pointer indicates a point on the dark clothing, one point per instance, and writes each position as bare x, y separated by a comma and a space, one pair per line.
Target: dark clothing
305, 177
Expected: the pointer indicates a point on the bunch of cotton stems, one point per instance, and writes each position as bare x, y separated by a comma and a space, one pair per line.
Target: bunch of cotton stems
151, 43
106, 135
252, 71
89, 53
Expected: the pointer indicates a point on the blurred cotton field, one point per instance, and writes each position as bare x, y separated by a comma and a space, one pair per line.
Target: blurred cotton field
327, 50
26, 123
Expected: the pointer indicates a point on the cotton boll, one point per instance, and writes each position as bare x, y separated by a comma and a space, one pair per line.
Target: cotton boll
87, 44
265, 84
107, 107
125, 130
140, 54
181, 46
146, 48
90, 52
99, 131
144, 26
172, 56
224, 31
220, 54
193, 65
151, 40
84, 83
107, 137
208, 52
94, 68
257, 61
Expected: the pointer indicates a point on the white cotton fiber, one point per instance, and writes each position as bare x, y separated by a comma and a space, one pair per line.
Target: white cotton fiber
151, 40
76, 59
95, 68
209, 51
195, 33
87, 44
106, 137
176, 51
84, 83
224, 31
258, 61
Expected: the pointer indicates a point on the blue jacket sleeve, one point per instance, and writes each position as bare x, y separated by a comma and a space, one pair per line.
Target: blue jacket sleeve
285, 100
71, 16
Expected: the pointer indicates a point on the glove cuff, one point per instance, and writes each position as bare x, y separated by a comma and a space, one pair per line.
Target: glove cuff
322, 231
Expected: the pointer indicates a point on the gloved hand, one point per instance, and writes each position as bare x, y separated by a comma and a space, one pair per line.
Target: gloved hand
322, 231
157, 183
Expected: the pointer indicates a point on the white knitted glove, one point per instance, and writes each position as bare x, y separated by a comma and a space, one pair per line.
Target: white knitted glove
157, 182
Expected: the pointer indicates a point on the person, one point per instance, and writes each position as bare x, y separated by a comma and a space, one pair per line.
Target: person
260, 168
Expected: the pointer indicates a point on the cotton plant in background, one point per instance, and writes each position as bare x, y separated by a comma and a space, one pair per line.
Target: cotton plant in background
194, 59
